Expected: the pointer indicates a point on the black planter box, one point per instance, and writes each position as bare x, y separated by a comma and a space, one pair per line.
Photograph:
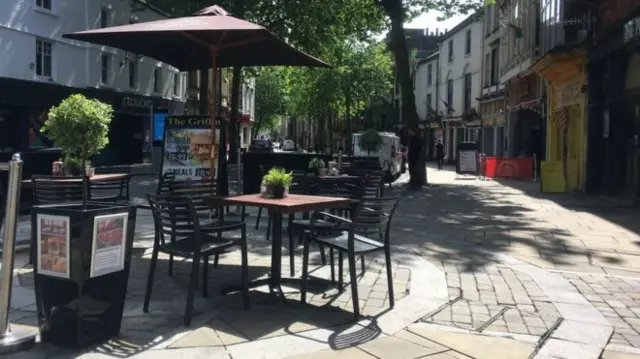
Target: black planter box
77, 307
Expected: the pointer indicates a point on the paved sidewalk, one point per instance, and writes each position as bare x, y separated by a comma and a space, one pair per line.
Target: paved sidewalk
481, 269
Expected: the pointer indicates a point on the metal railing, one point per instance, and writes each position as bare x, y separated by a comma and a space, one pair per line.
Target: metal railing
11, 339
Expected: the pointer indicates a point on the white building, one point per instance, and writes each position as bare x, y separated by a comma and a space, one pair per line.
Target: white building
460, 82
427, 79
39, 68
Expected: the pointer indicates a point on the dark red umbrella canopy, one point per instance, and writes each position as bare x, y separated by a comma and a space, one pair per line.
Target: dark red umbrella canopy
187, 43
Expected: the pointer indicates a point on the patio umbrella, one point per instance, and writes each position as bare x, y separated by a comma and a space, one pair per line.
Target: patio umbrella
210, 38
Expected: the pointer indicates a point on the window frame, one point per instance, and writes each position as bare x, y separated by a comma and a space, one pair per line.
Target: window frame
451, 50
467, 42
449, 108
40, 55
40, 5
177, 81
105, 68
157, 79
104, 17
467, 84
133, 75
429, 74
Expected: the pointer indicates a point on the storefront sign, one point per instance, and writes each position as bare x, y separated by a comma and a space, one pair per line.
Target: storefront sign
137, 102
189, 150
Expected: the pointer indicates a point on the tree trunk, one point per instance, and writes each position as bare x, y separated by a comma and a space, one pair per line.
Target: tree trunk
347, 143
417, 154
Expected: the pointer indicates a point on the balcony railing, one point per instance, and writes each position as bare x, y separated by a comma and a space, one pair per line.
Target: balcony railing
518, 59
566, 33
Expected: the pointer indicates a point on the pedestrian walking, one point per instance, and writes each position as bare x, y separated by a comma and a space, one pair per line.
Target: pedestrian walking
440, 154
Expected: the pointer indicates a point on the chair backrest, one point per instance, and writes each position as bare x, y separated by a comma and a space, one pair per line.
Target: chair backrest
197, 191
373, 183
303, 184
50, 190
373, 216
112, 169
175, 217
120, 184
165, 183
333, 188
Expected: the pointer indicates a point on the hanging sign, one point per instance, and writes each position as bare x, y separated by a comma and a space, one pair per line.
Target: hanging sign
188, 147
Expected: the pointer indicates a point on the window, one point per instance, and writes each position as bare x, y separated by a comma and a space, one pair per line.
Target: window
133, 74
429, 105
449, 96
467, 43
429, 74
176, 84
105, 68
488, 17
44, 4
157, 80
487, 69
104, 18
494, 66
450, 50
467, 92
43, 58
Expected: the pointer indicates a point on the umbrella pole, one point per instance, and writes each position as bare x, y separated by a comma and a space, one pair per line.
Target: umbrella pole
212, 113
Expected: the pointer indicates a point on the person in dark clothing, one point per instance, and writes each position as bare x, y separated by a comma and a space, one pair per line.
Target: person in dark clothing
440, 154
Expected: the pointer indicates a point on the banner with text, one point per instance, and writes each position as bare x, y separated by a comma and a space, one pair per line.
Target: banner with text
189, 150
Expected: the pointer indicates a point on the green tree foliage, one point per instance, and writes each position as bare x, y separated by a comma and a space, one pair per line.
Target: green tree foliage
269, 100
371, 141
80, 126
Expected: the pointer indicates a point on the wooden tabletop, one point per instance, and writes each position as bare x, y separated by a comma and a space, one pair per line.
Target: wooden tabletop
289, 204
100, 177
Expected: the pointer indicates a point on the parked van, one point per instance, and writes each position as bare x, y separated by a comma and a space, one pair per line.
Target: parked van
389, 153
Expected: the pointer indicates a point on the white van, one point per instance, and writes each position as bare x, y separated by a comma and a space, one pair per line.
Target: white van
389, 153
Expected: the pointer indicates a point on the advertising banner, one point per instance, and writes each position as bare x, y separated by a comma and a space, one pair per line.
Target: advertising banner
108, 249
53, 245
189, 150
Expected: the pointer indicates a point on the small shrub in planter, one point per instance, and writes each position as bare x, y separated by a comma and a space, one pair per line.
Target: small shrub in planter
317, 164
276, 183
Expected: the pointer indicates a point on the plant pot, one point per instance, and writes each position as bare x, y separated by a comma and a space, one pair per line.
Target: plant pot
322, 172
91, 171
276, 192
81, 283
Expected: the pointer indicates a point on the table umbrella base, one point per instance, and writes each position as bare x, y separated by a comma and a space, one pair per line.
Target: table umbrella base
16, 340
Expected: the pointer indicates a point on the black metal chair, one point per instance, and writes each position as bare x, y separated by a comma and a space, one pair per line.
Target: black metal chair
177, 218
164, 188
110, 190
367, 232
302, 226
373, 184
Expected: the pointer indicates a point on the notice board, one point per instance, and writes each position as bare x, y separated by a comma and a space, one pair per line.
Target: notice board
188, 148
467, 158
552, 177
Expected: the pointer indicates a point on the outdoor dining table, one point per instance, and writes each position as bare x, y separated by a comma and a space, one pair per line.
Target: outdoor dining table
277, 207
96, 178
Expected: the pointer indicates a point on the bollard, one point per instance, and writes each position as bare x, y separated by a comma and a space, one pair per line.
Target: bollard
16, 339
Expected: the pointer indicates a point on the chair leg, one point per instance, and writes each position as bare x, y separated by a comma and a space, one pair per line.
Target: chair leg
323, 258
340, 271
215, 260
387, 255
354, 284
269, 223
192, 290
305, 271
205, 277
292, 248
258, 218
170, 265
245, 269
333, 268
152, 270
362, 264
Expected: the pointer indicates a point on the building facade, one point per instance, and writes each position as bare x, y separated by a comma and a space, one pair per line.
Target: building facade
565, 29
613, 87
427, 79
459, 86
39, 68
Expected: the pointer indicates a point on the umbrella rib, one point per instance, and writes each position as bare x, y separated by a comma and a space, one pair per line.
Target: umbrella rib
234, 44
194, 39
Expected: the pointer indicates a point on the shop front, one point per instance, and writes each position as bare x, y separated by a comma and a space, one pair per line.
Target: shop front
453, 133
566, 123
492, 111
23, 111
527, 136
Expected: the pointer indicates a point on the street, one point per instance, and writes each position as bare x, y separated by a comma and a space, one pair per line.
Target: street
482, 269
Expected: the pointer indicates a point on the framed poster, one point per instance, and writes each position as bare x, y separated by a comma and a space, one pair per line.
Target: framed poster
467, 162
108, 244
52, 242
189, 150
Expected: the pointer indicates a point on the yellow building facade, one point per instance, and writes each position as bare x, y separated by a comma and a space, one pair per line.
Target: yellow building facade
566, 113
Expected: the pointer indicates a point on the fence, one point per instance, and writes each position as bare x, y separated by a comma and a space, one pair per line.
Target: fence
518, 168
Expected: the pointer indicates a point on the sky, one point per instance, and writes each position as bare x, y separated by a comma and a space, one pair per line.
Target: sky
429, 20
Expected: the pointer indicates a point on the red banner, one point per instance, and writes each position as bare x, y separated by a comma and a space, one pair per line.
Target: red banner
508, 167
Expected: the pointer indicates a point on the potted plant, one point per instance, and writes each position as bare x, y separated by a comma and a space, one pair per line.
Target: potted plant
318, 165
276, 183
371, 141
82, 251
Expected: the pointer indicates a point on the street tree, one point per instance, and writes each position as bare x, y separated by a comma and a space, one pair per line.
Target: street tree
398, 12
269, 100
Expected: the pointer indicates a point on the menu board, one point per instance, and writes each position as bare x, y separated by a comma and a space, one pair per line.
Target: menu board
52, 244
467, 161
109, 239
189, 151
552, 177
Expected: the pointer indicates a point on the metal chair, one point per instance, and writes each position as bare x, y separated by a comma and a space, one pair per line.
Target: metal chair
110, 190
177, 218
373, 184
367, 232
